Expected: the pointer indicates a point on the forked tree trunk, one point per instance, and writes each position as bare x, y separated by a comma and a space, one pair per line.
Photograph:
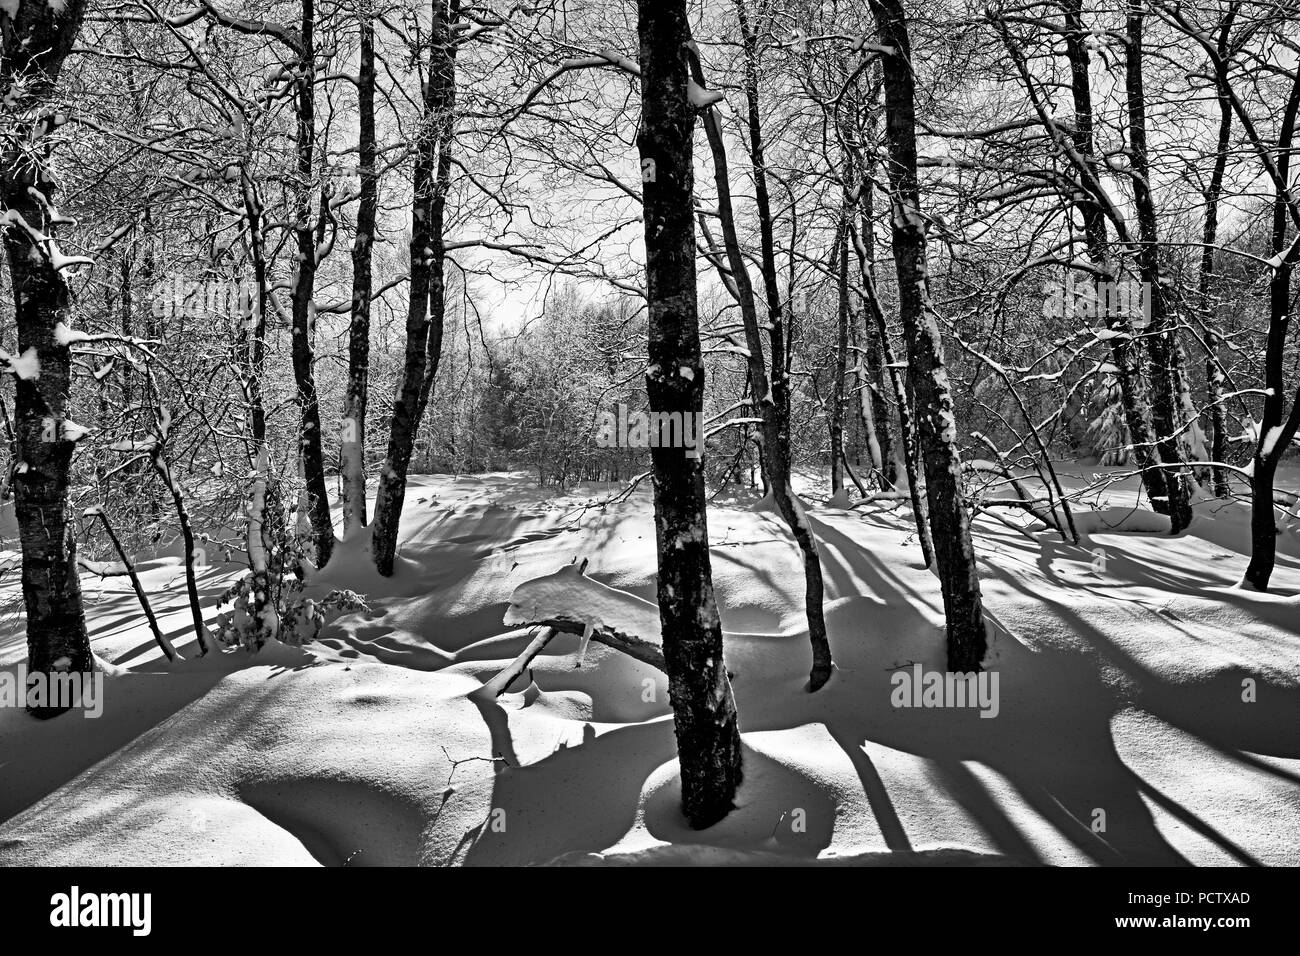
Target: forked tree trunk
927, 374
352, 458
704, 713
37, 36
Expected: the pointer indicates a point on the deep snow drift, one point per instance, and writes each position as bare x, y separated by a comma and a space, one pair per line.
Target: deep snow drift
1148, 711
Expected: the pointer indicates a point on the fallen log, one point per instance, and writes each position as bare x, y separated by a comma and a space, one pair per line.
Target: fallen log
570, 601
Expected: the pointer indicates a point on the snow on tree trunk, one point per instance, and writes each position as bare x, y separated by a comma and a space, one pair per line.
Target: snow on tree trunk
266, 615
352, 463
704, 712
37, 36
425, 309
311, 451
927, 374
1218, 416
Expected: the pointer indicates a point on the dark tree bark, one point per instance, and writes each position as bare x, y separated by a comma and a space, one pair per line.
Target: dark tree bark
775, 401
160, 639
352, 465
927, 374
704, 713
1214, 189
36, 37
425, 310
1159, 338
1125, 354
263, 560
1275, 433
774, 437
310, 450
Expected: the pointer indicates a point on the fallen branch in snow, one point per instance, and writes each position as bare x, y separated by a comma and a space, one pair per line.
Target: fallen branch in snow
508, 674
570, 601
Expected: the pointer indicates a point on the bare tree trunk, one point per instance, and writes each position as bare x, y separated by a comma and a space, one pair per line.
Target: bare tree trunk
353, 440
902, 395
1275, 434
776, 439
160, 639
310, 451
36, 38
841, 366
927, 374
1159, 338
263, 561
432, 177
1125, 355
704, 713
1213, 367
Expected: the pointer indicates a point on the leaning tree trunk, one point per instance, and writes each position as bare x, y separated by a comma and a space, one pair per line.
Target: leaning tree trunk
704, 713
1275, 434
352, 466
310, 450
870, 367
37, 37
431, 181
776, 409
927, 374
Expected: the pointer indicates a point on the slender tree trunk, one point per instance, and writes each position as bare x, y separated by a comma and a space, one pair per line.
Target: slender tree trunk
1213, 367
1275, 434
1125, 354
36, 38
164, 644
431, 181
776, 440
263, 498
927, 374
841, 366
355, 398
864, 405
1159, 338
311, 451
704, 713
902, 395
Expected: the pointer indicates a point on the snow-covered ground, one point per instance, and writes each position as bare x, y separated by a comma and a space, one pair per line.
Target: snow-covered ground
1121, 734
